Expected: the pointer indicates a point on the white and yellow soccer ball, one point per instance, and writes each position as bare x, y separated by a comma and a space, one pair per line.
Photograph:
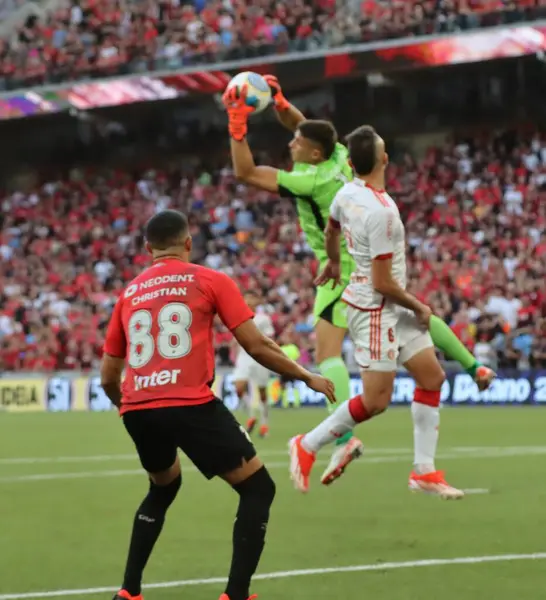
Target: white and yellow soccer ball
258, 90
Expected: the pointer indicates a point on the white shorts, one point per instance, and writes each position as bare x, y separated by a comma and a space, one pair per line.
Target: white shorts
387, 337
247, 369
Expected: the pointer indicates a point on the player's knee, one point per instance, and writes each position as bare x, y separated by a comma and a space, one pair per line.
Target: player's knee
439, 379
162, 496
260, 487
434, 380
379, 401
379, 404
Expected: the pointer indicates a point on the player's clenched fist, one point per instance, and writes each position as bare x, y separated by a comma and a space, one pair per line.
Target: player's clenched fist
281, 103
322, 386
234, 99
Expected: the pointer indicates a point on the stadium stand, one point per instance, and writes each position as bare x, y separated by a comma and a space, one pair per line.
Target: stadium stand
7, 7
476, 220
86, 39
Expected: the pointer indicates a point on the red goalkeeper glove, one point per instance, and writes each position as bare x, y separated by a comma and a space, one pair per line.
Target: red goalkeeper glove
234, 99
281, 103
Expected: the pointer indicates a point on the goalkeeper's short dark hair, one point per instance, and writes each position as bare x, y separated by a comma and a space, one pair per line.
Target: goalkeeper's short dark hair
167, 228
362, 145
322, 133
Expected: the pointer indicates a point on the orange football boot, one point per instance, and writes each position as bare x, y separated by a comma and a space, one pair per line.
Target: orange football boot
301, 463
124, 595
434, 484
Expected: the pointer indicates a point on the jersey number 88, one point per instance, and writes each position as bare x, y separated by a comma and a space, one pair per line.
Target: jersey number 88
172, 341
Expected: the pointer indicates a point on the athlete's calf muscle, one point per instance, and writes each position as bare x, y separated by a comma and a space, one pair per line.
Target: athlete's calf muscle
378, 388
329, 340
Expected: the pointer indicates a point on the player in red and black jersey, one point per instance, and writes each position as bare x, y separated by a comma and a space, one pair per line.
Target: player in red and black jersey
161, 334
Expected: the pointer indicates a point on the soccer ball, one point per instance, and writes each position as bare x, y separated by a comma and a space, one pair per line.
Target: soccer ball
259, 92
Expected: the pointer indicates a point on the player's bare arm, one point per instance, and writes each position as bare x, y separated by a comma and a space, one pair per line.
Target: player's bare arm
246, 170
244, 167
384, 283
267, 353
332, 241
111, 369
288, 115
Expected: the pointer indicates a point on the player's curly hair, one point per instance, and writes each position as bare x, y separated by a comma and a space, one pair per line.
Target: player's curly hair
362, 144
322, 133
166, 229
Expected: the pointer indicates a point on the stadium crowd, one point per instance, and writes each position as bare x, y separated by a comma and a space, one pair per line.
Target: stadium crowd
476, 231
96, 38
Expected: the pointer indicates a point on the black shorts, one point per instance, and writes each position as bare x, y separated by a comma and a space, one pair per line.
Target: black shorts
208, 434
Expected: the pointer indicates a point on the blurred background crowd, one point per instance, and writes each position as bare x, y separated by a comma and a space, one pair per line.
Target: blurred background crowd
474, 202
475, 213
81, 39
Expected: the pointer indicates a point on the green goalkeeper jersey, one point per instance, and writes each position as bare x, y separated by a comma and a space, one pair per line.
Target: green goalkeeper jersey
314, 187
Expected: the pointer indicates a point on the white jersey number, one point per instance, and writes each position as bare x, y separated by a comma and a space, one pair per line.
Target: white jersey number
173, 339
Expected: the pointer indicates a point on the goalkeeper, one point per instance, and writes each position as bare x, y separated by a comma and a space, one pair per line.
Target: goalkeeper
320, 168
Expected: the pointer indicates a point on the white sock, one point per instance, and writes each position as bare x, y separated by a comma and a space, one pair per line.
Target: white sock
245, 402
332, 428
426, 422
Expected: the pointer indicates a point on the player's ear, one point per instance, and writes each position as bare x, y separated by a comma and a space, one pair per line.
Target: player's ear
188, 244
351, 164
385, 159
148, 248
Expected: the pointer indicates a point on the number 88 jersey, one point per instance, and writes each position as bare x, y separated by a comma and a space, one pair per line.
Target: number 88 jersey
162, 327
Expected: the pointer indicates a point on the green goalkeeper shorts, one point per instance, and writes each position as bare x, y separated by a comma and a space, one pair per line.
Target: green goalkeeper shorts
328, 303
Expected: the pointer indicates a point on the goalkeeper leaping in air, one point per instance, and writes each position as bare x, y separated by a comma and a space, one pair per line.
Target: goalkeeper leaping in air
321, 168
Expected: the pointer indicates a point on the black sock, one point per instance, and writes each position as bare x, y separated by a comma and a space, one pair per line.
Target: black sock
147, 526
256, 496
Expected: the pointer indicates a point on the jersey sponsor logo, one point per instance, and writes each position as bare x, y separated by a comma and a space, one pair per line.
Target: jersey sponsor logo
131, 290
156, 379
162, 292
163, 279
391, 335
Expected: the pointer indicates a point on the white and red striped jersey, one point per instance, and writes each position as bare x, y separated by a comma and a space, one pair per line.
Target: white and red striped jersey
371, 224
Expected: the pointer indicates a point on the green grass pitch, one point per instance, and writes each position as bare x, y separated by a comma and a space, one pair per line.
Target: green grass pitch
70, 483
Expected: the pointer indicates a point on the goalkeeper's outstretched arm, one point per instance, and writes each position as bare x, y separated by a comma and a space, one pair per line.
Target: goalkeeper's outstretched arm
244, 167
246, 170
287, 184
288, 115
